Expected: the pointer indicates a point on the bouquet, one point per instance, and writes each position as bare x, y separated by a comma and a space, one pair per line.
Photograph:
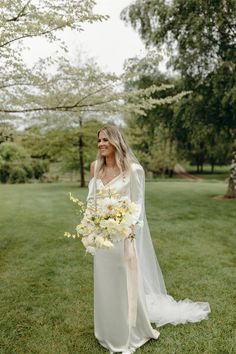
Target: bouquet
106, 220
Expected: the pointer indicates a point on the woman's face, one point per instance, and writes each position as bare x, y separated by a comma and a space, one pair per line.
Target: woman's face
105, 147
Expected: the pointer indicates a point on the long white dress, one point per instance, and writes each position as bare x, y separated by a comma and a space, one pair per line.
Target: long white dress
129, 292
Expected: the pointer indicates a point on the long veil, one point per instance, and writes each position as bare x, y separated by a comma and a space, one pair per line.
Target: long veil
161, 307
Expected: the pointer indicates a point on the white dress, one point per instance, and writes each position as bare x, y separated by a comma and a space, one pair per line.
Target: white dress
124, 308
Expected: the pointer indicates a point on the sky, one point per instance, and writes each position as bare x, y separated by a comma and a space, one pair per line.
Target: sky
110, 42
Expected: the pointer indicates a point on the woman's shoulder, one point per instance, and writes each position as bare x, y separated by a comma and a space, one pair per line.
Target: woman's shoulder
92, 168
93, 163
136, 167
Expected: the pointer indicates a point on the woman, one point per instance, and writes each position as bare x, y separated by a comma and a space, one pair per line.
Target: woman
129, 290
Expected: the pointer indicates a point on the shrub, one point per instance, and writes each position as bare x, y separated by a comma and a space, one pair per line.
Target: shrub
4, 170
16, 165
27, 166
17, 175
39, 167
13, 152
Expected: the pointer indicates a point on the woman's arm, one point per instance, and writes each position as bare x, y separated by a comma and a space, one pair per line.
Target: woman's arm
92, 169
137, 184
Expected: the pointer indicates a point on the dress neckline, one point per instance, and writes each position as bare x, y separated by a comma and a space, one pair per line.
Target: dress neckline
113, 179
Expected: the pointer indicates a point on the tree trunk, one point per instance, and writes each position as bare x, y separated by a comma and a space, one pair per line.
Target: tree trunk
212, 167
171, 172
81, 156
81, 160
231, 192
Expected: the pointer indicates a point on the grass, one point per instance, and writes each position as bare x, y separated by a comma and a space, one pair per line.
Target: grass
46, 287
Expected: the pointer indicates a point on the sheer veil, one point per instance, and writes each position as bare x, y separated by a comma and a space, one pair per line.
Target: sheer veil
151, 273
161, 307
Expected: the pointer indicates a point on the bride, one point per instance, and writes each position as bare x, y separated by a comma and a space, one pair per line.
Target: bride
129, 290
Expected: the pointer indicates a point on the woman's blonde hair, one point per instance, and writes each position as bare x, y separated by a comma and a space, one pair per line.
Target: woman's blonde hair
122, 150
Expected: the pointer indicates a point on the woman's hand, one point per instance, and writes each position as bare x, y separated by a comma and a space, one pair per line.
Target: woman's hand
132, 234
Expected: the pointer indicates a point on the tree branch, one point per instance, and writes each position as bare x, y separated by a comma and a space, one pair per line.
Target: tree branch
20, 14
28, 35
56, 108
19, 84
89, 95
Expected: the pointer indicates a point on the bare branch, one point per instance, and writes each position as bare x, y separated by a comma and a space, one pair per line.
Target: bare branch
20, 14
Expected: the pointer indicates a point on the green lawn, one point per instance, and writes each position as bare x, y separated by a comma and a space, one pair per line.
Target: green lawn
46, 282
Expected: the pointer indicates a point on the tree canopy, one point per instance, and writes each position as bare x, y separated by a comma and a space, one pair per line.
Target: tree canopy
20, 20
199, 35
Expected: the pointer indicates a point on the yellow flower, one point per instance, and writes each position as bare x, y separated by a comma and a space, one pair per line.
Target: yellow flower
77, 201
67, 234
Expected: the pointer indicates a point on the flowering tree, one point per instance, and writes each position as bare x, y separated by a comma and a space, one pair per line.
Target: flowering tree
73, 93
22, 19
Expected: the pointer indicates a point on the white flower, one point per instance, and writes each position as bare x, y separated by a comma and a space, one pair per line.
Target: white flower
108, 244
121, 232
109, 223
107, 204
128, 220
99, 241
103, 224
85, 242
88, 240
91, 238
91, 250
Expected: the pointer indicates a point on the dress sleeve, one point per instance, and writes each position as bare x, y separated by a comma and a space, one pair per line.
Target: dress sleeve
92, 183
137, 188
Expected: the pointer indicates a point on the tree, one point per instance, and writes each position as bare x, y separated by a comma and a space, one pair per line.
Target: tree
163, 153
153, 135
231, 192
199, 35
21, 20
200, 39
139, 139
63, 145
76, 156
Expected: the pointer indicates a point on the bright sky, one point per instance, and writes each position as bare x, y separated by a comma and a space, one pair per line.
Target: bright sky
109, 42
